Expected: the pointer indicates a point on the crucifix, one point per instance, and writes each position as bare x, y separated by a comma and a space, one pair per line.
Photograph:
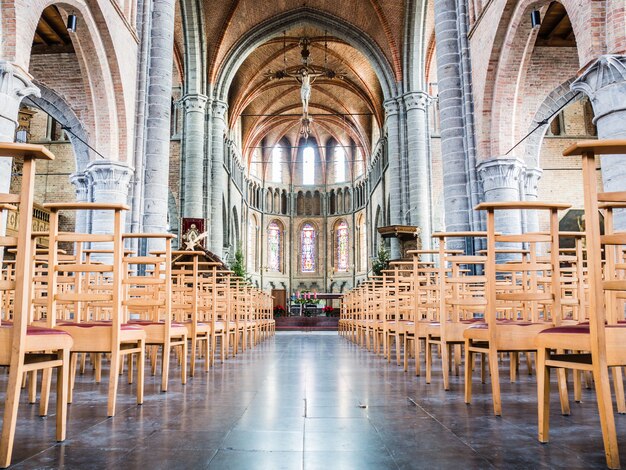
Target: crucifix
305, 76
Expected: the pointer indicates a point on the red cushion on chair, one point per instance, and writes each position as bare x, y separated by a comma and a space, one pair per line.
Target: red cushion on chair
40, 330
580, 329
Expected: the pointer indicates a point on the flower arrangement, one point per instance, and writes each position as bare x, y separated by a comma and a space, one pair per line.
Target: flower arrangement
279, 311
306, 297
328, 310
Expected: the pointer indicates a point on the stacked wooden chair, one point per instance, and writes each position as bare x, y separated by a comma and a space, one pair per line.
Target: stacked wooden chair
23, 347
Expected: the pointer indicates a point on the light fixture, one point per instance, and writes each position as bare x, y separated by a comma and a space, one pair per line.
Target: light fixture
535, 18
71, 22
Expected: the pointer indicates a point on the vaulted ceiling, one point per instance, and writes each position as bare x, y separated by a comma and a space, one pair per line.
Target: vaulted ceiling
345, 108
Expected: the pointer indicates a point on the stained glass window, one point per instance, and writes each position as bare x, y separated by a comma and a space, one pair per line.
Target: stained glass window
307, 245
308, 167
273, 247
342, 246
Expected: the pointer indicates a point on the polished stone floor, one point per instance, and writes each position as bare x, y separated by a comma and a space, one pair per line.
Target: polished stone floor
310, 401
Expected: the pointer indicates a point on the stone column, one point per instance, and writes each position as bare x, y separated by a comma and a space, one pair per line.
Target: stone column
218, 176
193, 154
110, 183
419, 175
604, 82
158, 119
396, 209
451, 110
81, 182
501, 182
530, 182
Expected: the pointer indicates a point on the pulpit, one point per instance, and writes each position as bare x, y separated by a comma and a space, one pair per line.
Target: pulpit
407, 235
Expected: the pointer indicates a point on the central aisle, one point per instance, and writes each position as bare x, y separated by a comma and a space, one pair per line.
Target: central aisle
313, 401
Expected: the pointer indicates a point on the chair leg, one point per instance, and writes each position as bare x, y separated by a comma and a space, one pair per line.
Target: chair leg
141, 359
165, 364
62, 389
98, 365
562, 384
514, 357
72, 378
32, 386
131, 372
417, 347
445, 359
44, 399
469, 362
495, 382
183, 364
607, 419
618, 383
543, 395
192, 357
113, 382
11, 405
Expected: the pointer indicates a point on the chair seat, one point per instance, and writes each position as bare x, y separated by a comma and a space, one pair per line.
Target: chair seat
510, 335
96, 336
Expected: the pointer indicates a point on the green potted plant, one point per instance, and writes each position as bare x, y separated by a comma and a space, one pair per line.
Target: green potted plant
328, 310
238, 266
381, 262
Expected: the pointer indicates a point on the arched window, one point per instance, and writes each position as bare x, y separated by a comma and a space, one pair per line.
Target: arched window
340, 164
252, 232
307, 247
274, 248
277, 160
308, 166
342, 241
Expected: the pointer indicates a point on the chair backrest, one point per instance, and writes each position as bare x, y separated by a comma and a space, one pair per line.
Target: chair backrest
505, 279
19, 278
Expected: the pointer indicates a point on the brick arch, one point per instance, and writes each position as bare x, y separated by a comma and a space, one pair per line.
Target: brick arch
556, 100
107, 102
509, 59
57, 107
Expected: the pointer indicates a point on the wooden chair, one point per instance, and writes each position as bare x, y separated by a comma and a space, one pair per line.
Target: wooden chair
147, 299
425, 304
462, 302
102, 328
187, 295
512, 316
27, 348
599, 344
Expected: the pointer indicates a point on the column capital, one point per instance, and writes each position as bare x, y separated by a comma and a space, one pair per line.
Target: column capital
500, 173
391, 106
194, 102
417, 100
15, 84
80, 180
220, 108
604, 82
531, 181
607, 70
110, 177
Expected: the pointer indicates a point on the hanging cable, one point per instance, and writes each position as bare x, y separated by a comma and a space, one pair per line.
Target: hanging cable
68, 129
543, 122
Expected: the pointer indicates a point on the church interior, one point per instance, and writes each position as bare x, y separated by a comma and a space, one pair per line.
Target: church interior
305, 234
